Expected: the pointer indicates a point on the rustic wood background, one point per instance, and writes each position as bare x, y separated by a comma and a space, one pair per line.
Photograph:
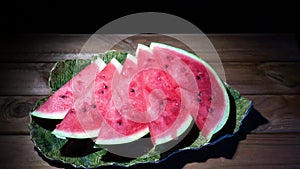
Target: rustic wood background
263, 67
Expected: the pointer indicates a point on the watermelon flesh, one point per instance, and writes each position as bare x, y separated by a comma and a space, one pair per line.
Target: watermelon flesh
84, 119
146, 93
212, 98
116, 129
176, 117
62, 100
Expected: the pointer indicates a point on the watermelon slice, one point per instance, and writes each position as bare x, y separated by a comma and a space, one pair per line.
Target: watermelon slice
115, 129
62, 100
211, 95
147, 93
162, 75
83, 120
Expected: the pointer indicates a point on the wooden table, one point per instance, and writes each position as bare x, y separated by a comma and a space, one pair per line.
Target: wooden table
263, 67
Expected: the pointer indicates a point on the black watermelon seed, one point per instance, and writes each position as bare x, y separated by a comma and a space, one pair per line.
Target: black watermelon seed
166, 66
198, 99
63, 96
102, 92
198, 77
132, 90
120, 123
105, 86
84, 109
94, 106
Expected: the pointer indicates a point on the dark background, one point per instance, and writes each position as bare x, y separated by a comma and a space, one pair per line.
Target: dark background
213, 16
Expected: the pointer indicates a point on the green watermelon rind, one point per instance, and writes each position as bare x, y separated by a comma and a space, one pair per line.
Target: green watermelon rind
49, 145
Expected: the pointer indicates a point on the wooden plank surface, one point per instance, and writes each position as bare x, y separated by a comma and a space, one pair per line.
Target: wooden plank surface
266, 78
231, 48
254, 152
263, 67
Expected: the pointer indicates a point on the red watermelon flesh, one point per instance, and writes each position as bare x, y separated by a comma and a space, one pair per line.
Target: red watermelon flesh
72, 127
62, 100
115, 129
146, 93
85, 119
163, 100
120, 93
211, 95
159, 75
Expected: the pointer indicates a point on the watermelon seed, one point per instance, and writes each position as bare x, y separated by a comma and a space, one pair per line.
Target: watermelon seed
210, 110
166, 66
198, 99
198, 77
63, 96
210, 98
84, 109
102, 92
132, 90
94, 106
120, 123
105, 86
199, 94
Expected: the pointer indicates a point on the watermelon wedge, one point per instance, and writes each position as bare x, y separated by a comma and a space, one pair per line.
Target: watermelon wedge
164, 76
211, 94
85, 118
115, 129
62, 100
147, 93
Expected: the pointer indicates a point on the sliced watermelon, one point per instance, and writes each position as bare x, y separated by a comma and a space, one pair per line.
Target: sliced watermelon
164, 76
147, 93
211, 95
116, 129
85, 119
62, 100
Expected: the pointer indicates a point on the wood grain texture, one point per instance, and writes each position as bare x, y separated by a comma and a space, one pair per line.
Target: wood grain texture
257, 151
230, 48
14, 115
260, 151
266, 78
18, 151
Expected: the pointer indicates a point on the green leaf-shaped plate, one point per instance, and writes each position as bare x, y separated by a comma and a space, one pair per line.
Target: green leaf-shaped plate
51, 146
